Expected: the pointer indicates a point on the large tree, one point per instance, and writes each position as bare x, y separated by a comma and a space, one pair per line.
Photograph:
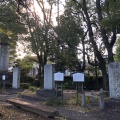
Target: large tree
26, 64
39, 31
10, 25
70, 36
101, 19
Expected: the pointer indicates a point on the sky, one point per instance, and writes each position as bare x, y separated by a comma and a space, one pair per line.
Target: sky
55, 10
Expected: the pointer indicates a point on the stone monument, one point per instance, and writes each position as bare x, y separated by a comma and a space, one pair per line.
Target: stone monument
49, 83
4, 52
114, 79
4, 57
16, 78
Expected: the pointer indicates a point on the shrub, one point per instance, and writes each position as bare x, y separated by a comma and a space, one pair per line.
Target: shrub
32, 88
66, 85
1, 86
25, 85
8, 85
36, 83
27, 79
72, 101
55, 102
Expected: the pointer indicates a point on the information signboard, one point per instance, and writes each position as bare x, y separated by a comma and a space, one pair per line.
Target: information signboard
3, 77
59, 76
78, 77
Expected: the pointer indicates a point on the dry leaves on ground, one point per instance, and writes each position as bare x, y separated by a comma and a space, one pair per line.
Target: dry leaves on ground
8, 112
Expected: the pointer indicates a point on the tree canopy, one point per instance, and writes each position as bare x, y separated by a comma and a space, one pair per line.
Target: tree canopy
86, 28
98, 18
10, 25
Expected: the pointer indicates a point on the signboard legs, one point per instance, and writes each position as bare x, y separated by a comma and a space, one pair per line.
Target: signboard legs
77, 90
82, 87
77, 84
61, 83
56, 88
62, 89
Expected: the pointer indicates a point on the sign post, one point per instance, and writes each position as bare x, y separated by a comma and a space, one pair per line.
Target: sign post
59, 77
78, 77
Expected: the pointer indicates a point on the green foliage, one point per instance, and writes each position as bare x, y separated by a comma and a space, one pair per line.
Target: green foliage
111, 20
10, 21
55, 102
69, 37
27, 79
32, 88
88, 99
24, 85
66, 85
26, 64
7, 85
72, 101
10, 26
36, 83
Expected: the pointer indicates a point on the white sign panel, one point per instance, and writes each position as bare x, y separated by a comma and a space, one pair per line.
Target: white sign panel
59, 76
3, 77
78, 77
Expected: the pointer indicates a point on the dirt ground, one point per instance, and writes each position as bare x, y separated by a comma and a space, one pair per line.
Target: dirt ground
8, 112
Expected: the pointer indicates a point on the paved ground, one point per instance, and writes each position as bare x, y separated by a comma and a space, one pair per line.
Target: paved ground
71, 113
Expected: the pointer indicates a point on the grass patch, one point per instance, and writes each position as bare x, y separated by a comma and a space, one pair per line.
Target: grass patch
32, 88
72, 101
54, 101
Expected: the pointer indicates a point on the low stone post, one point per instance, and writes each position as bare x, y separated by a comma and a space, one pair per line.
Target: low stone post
92, 96
16, 78
101, 100
83, 99
101, 90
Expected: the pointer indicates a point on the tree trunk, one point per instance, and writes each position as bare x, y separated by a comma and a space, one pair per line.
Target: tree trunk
40, 68
102, 67
102, 64
110, 55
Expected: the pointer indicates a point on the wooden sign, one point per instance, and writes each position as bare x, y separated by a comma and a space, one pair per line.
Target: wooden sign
59, 76
78, 77
3, 77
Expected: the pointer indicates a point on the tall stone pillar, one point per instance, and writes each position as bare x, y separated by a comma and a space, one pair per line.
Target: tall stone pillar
4, 57
49, 83
114, 79
16, 78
